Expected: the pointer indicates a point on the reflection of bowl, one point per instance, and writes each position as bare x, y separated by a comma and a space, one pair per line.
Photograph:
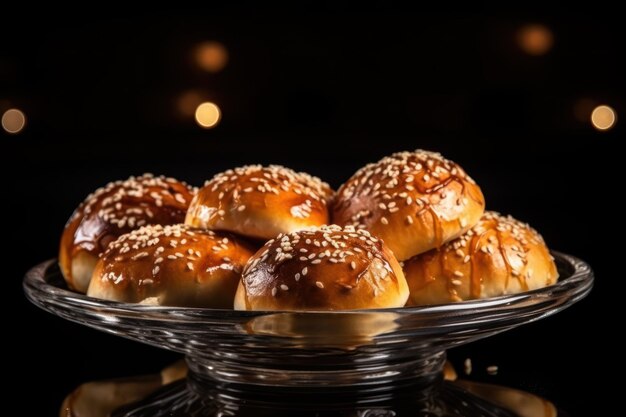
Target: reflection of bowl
351, 349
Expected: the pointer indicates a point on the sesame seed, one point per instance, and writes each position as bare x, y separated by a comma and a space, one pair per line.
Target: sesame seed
304, 271
409, 219
274, 291
284, 287
458, 273
384, 220
492, 370
316, 261
319, 284
353, 265
456, 282
190, 266
241, 208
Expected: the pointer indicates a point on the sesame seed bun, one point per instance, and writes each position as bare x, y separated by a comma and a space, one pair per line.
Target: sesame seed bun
260, 202
498, 256
326, 268
171, 266
113, 210
414, 201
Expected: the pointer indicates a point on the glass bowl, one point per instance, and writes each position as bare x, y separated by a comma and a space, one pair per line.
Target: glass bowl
362, 350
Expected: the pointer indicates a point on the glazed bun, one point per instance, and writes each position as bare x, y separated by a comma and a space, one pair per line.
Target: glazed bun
498, 256
260, 202
113, 210
414, 201
171, 266
326, 268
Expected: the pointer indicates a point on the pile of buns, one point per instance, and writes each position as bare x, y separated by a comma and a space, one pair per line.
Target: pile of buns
410, 229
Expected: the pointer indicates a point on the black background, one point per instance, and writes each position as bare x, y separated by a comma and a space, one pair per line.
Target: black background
325, 95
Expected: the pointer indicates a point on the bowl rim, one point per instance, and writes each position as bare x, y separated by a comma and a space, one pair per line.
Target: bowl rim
37, 286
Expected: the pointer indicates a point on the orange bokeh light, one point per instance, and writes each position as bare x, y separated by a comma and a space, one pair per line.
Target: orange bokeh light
211, 56
535, 39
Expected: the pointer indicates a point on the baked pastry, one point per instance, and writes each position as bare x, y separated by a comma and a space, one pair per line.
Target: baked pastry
260, 202
414, 201
113, 210
500, 255
171, 266
325, 268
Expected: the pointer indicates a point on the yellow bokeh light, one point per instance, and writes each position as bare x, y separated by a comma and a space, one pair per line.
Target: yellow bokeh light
13, 121
535, 39
208, 115
211, 56
603, 117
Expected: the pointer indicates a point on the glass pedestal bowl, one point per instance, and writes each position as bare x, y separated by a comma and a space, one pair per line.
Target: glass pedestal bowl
358, 358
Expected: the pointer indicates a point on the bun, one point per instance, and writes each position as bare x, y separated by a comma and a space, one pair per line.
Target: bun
260, 202
327, 268
113, 210
171, 266
500, 255
414, 201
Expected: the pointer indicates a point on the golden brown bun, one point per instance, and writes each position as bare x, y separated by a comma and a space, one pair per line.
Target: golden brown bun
326, 268
498, 256
414, 201
171, 266
260, 202
113, 210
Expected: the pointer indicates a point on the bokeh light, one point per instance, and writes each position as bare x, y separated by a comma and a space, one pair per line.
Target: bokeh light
603, 117
535, 39
211, 56
13, 121
208, 115
188, 102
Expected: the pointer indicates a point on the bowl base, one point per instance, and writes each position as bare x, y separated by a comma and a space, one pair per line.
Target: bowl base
191, 398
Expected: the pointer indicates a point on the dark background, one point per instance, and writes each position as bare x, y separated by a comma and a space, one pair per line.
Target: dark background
324, 95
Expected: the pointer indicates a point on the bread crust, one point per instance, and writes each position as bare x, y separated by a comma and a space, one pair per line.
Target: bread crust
414, 201
500, 255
